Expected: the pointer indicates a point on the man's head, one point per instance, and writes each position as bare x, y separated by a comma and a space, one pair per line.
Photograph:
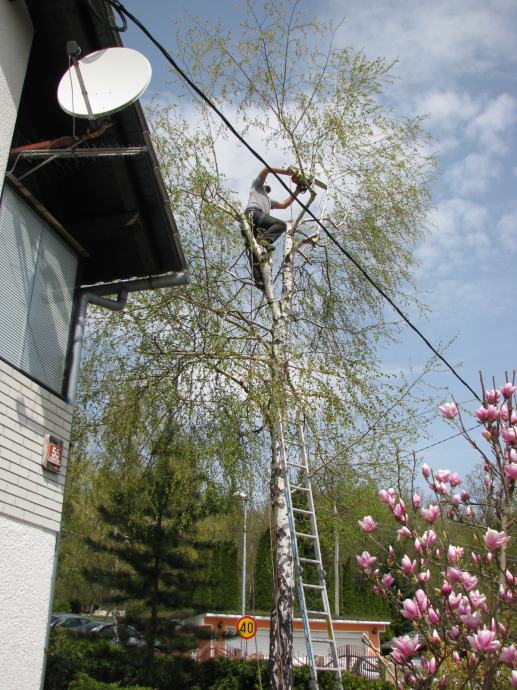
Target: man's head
267, 188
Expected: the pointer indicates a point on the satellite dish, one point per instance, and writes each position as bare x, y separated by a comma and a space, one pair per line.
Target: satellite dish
112, 79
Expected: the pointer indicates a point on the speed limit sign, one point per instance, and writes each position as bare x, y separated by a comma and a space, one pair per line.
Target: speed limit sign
246, 627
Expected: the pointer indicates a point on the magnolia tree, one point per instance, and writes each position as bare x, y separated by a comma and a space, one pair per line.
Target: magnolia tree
463, 598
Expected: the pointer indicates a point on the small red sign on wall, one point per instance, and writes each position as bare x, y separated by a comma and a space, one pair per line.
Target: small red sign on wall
52, 453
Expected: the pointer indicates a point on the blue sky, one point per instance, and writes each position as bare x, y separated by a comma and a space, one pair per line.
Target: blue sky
457, 65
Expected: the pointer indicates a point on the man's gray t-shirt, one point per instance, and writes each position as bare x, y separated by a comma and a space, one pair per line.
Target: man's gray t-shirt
258, 199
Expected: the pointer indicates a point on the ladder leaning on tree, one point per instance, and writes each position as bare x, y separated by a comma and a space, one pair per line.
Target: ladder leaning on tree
310, 576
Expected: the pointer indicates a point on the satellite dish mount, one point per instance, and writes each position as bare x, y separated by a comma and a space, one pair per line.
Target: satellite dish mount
73, 50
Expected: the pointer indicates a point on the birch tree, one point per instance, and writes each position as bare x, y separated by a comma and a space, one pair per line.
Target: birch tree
309, 341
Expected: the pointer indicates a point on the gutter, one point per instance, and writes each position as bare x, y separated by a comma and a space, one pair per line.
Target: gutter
96, 294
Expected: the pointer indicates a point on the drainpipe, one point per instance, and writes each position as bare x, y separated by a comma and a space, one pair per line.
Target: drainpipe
95, 294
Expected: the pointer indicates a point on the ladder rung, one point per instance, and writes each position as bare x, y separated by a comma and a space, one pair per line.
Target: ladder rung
307, 536
314, 561
302, 511
308, 586
328, 668
327, 640
318, 613
295, 487
296, 464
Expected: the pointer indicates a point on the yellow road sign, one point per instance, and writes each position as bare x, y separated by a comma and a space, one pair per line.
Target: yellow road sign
246, 627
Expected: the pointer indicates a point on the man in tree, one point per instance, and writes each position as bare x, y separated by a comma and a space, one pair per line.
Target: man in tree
266, 228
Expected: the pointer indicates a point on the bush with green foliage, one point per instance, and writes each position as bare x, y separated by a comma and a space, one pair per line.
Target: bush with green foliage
81, 663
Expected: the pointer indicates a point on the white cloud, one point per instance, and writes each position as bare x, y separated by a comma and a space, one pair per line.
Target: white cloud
434, 42
461, 235
492, 125
507, 228
472, 175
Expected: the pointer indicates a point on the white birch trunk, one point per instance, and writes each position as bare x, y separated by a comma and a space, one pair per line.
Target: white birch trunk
281, 630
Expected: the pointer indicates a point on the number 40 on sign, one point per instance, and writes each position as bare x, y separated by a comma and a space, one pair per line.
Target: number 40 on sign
246, 627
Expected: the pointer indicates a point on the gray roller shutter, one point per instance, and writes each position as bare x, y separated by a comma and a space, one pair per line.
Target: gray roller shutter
37, 279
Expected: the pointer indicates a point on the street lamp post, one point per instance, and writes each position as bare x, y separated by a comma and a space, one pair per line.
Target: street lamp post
244, 498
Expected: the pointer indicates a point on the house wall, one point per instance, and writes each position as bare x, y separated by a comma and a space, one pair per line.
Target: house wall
15, 42
31, 499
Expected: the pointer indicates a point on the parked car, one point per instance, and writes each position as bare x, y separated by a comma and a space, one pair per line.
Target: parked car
68, 620
129, 636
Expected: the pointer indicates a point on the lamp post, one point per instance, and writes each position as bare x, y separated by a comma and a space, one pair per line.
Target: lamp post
245, 499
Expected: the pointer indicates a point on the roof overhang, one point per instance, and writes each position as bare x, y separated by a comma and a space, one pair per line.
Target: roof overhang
115, 207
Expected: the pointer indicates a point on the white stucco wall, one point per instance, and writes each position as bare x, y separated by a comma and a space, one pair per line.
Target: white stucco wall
31, 499
26, 564
15, 42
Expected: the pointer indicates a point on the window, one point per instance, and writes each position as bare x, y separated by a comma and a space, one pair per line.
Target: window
37, 279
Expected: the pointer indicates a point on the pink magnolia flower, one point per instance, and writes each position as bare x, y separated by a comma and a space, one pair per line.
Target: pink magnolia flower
487, 415
449, 410
434, 616
446, 588
455, 500
455, 656
455, 479
513, 680
428, 538
417, 501
442, 475
492, 397
431, 514
410, 609
507, 390
478, 600
404, 648
399, 511
365, 560
422, 600
511, 471
454, 574
486, 435
472, 620
511, 579
441, 488
510, 435
469, 512
436, 640
508, 656
455, 632
464, 495
495, 540
404, 533
484, 642
454, 600
469, 581
425, 470
424, 576
367, 524
429, 665
454, 553
387, 580
408, 566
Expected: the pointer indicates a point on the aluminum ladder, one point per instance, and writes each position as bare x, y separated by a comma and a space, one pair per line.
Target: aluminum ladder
305, 544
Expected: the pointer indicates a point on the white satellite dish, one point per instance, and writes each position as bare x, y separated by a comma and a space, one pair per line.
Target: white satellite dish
112, 79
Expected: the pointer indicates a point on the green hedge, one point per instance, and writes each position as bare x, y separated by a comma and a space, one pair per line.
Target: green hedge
79, 663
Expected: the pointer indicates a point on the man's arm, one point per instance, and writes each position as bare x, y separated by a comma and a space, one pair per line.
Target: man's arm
289, 200
265, 172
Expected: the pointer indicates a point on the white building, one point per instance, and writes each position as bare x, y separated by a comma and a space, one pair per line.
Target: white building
72, 232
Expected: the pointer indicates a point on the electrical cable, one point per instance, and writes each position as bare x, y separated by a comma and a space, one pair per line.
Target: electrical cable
121, 10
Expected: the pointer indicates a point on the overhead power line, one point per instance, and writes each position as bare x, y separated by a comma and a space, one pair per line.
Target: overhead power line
121, 10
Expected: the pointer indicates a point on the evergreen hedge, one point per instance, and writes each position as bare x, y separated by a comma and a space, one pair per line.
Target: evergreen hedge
79, 663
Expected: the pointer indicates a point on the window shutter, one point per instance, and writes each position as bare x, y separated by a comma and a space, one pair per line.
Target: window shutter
37, 279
